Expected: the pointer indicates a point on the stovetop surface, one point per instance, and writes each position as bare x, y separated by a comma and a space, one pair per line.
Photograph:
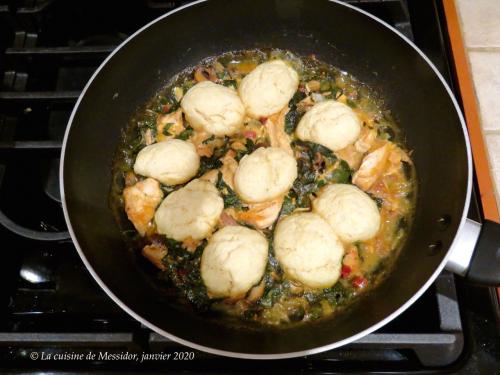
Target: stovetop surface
49, 304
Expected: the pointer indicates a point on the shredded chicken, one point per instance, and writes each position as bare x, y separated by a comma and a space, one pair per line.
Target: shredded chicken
155, 253
372, 167
141, 201
211, 176
226, 219
229, 165
276, 127
352, 156
190, 244
261, 215
149, 138
130, 178
201, 148
256, 292
366, 140
175, 125
305, 104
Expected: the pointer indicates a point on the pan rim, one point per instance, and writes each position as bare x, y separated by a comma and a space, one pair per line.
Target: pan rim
316, 350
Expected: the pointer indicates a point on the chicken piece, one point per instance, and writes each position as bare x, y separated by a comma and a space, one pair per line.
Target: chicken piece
201, 148
173, 121
149, 138
141, 201
365, 118
366, 140
226, 218
261, 215
130, 178
397, 156
256, 292
372, 167
203, 73
211, 176
305, 104
190, 244
352, 156
229, 165
276, 127
155, 254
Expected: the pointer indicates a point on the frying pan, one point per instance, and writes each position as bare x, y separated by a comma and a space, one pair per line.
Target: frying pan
341, 35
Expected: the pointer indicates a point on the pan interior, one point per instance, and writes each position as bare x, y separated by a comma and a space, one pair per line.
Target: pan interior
338, 35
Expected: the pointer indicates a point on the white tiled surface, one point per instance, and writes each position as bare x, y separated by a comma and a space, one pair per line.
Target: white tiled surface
485, 67
480, 21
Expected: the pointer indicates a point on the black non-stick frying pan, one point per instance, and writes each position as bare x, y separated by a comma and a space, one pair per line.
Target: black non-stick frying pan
341, 35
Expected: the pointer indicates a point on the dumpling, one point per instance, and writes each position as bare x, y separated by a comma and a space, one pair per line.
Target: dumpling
213, 108
190, 212
331, 124
171, 162
265, 174
233, 261
268, 88
352, 214
308, 250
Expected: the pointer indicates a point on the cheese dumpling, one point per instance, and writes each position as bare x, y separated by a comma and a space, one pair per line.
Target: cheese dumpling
265, 174
171, 162
190, 212
268, 88
352, 214
213, 108
308, 250
233, 261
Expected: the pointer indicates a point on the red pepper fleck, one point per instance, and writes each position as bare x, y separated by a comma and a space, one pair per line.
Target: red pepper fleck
165, 108
346, 270
250, 134
182, 272
263, 119
359, 282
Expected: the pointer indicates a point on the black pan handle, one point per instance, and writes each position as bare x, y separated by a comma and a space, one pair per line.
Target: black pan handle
484, 266
476, 253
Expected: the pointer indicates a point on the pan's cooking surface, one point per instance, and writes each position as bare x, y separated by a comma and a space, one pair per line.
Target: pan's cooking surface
62, 288
408, 83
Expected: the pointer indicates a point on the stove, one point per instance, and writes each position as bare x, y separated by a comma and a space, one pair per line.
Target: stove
54, 317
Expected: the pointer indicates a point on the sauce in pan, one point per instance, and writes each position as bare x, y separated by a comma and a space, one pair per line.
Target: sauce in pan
377, 163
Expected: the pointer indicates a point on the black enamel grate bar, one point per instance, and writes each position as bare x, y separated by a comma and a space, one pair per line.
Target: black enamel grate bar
432, 349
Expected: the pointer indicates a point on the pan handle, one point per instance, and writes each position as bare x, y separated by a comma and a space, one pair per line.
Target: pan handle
476, 253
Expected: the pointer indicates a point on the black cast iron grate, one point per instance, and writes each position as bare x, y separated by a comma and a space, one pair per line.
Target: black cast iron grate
48, 50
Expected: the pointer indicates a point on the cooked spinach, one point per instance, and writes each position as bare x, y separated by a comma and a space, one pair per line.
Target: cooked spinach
337, 294
185, 134
229, 82
288, 206
208, 140
207, 164
249, 148
183, 269
166, 128
341, 174
291, 121
228, 195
